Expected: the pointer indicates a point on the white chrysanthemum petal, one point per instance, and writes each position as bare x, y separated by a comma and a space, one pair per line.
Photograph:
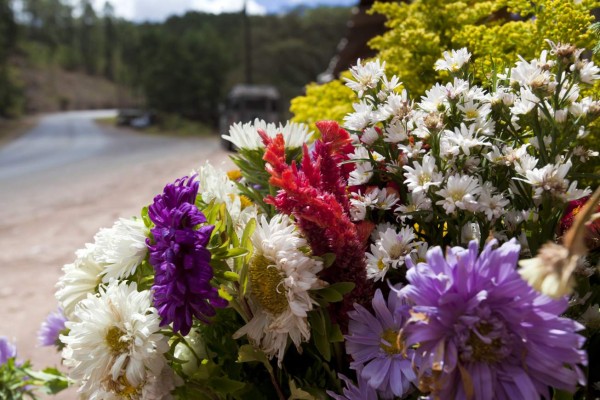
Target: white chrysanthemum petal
113, 344
122, 248
79, 279
280, 276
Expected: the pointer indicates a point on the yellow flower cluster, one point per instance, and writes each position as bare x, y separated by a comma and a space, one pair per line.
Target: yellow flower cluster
494, 31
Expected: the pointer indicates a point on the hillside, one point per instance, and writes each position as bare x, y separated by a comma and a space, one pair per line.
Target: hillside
48, 89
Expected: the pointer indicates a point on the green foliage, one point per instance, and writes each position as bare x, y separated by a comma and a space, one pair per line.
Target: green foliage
18, 381
494, 31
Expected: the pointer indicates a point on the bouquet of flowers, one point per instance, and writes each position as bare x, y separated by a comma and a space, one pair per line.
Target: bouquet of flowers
436, 248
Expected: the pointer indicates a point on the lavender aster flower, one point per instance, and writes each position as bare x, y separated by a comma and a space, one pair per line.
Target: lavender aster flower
483, 333
7, 350
51, 328
362, 391
377, 347
182, 288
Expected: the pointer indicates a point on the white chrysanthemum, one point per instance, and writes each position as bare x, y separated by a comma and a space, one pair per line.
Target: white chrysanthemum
460, 192
245, 135
279, 278
366, 76
113, 344
452, 60
79, 279
122, 248
422, 176
411, 150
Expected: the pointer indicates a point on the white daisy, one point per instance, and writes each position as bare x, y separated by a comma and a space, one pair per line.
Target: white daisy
389, 251
492, 204
369, 135
435, 99
422, 176
280, 276
462, 138
113, 345
474, 110
376, 265
550, 178
529, 74
417, 201
365, 76
122, 248
588, 72
362, 116
79, 279
459, 193
395, 132
452, 60
525, 102
397, 106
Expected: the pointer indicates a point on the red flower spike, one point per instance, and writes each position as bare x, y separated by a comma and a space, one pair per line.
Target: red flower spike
316, 197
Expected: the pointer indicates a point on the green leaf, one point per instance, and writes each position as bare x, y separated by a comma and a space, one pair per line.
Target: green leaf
225, 385
248, 353
335, 334
328, 259
298, 394
320, 337
343, 287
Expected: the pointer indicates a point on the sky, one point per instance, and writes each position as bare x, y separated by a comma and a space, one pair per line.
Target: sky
158, 10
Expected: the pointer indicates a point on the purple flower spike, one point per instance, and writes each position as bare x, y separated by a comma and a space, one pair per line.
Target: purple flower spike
7, 350
51, 328
483, 333
377, 346
182, 288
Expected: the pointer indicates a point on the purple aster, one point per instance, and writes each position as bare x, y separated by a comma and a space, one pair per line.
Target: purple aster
362, 391
181, 261
483, 333
377, 348
7, 350
51, 328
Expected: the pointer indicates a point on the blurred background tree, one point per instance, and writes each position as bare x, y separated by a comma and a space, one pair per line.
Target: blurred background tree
69, 55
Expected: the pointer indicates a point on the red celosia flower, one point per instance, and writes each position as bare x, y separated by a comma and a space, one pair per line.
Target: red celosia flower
316, 196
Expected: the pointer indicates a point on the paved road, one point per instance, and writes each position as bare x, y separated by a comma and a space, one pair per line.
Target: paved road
61, 182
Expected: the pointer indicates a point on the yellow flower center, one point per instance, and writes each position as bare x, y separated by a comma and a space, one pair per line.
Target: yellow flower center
482, 351
391, 342
472, 114
123, 389
380, 264
234, 174
113, 339
265, 280
246, 202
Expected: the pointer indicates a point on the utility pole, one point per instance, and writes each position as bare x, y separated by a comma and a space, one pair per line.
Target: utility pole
247, 45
